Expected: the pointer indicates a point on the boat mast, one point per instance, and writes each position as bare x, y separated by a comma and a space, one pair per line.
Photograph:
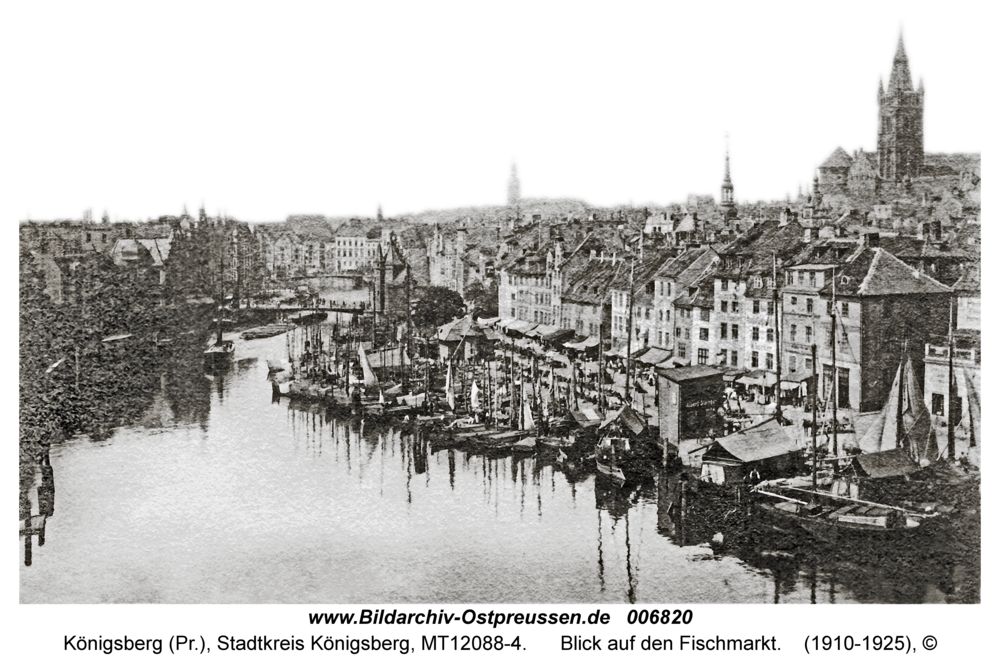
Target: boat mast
815, 387
628, 345
777, 333
899, 398
952, 386
222, 284
833, 360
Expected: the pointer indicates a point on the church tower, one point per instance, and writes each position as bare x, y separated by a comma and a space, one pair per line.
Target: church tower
901, 123
727, 205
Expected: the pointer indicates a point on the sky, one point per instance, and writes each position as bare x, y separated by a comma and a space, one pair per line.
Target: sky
262, 110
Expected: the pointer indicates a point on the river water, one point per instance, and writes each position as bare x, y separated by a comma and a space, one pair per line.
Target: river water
222, 494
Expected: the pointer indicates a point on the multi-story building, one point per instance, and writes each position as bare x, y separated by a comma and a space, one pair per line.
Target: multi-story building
883, 309
668, 328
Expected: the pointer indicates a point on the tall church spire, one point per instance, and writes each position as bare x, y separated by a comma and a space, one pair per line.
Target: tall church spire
901, 123
900, 79
727, 204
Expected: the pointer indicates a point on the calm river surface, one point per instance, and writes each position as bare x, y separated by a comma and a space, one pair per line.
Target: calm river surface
220, 494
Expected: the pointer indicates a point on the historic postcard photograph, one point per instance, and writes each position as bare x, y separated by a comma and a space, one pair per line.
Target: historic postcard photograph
532, 303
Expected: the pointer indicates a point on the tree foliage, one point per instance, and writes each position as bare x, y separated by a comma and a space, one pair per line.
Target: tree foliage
485, 299
438, 306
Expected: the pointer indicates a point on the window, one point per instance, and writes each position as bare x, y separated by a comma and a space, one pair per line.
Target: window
736, 307
812, 279
754, 362
736, 332
702, 356
755, 335
791, 333
756, 306
795, 300
677, 332
792, 363
809, 334
704, 313
724, 306
769, 361
682, 350
735, 358
513, 313
829, 308
88, 237
725, 284
723, 331
703, 334
770, 335
770, 308
937, 404
668, 316
844, 310
687, 333
809, 306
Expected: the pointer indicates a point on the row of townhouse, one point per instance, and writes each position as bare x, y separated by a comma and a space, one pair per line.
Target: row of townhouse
754, 312
309, 246
455, 264
757, 303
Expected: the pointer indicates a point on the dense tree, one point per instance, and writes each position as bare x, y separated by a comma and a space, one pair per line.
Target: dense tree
484, 299
438, 306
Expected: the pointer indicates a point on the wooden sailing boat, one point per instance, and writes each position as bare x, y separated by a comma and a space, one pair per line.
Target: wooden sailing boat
220, 353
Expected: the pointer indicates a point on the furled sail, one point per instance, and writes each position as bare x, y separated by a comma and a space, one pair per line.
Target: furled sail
918, 435
474, 396
366, 368
449, 388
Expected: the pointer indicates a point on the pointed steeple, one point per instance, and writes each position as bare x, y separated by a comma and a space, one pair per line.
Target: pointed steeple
900, 79
726, 181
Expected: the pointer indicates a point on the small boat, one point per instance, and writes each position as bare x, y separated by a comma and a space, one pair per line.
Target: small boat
219, 353
526, 444
837, 519
274, 366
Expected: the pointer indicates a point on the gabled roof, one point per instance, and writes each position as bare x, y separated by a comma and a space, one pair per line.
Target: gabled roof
875, 272
758, 443
970, 279
839, 158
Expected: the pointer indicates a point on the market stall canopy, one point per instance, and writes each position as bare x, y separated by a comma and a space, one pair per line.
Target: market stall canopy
654, 356
587, 417
758, 443
521, 326
488, 322
456, 330
542, 331
885, 464
558, 335
759, 377
626, 417
589, 342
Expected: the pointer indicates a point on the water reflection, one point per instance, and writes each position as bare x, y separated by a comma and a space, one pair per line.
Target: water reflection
228, 494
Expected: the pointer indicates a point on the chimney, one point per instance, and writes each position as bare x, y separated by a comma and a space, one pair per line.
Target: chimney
872, 240
593, 254
922, 230
602, 255
807, 234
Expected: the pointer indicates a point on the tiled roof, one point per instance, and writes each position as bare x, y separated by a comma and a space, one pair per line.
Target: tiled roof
592, 283
970, 279
839, 158
876, 272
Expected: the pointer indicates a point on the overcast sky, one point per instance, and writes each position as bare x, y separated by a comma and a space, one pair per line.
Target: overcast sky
265, 110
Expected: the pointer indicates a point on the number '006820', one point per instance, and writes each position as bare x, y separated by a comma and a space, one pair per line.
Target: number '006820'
659, 616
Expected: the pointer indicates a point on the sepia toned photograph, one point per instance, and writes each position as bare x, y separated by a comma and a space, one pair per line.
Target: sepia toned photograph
420, 304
